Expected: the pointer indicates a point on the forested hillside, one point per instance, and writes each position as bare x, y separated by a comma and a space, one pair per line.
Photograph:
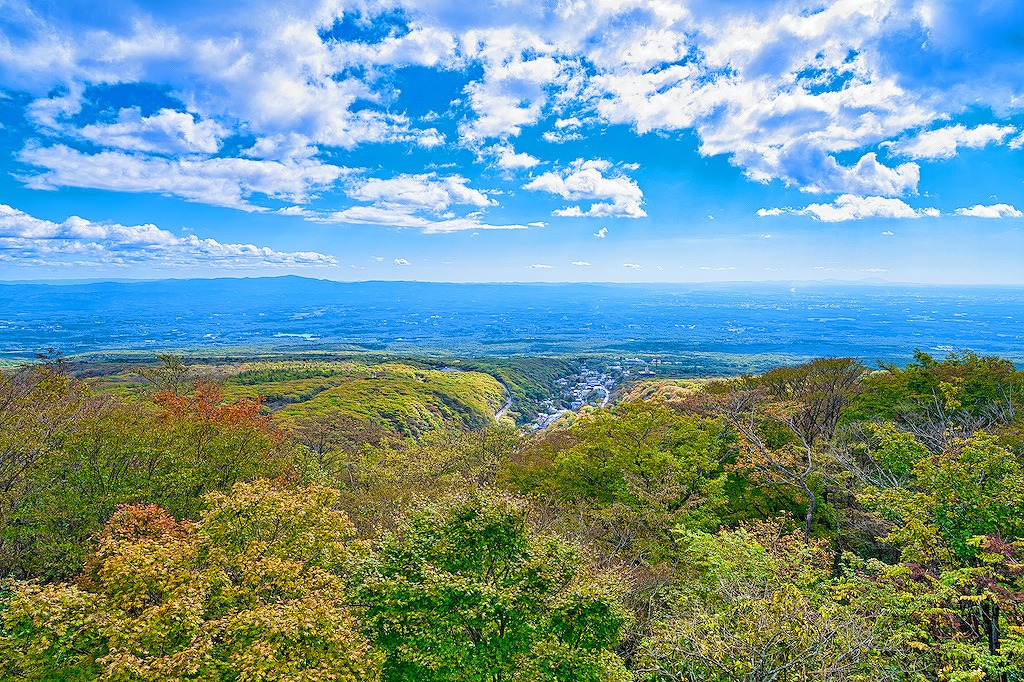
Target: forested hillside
827, 521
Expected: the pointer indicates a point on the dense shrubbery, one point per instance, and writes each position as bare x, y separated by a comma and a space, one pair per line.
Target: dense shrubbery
820, 522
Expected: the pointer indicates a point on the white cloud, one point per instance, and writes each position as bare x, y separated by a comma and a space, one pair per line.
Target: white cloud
580, 263
283, 147
851, 207
887, 233
768, 212
424, 192
945, 142
373, 215
614, 196
77, 241
786, 90
166, 131
227, 182
632, 265
993, 211
514, 88
401, 261
813, 171
507, 157
602, 233
421, 201
540, 266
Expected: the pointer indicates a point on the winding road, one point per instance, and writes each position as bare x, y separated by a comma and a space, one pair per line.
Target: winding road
508, 403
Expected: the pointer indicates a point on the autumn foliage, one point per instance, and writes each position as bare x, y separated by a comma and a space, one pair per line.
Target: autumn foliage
827, 521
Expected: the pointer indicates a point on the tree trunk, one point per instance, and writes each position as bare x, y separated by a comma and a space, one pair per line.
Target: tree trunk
812, 502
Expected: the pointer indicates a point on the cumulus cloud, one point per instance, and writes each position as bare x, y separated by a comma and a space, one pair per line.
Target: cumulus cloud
812, 170
993, 211
401, 261
422, 201
506, 157
634, 266
166, 131
614, 195
77, 241
945, 142
602, 233
423, 192
540, 266
759, 82
515, 87
798, 93
227, 182
852, 207
580, 263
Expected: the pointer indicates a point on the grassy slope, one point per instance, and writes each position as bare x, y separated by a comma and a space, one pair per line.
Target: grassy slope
410, 399
409, 393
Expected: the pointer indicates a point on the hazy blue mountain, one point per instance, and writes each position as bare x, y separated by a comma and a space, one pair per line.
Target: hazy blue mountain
791, 320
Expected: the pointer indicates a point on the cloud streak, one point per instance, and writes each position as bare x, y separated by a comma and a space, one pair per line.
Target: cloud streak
850, 207
76, 241
229, 182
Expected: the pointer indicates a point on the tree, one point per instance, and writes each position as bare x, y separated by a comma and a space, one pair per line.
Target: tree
255, 590
759, 604
169, 374
465, 591
942, 401
107, 452
784, 417
959, 528
39, 406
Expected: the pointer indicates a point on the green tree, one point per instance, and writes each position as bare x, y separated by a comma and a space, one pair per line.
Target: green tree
464, 590
786, 418
942, 401
959, 527
169, 451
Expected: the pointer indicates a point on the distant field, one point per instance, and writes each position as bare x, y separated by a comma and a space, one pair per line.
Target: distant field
699, 330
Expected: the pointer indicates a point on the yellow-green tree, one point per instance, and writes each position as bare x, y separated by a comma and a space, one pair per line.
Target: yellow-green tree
959, 527
254, 590
758, 604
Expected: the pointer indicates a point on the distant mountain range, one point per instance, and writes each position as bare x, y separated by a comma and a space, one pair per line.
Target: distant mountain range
690, 322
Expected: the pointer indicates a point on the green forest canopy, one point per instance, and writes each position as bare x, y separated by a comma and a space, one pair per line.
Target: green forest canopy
818, 522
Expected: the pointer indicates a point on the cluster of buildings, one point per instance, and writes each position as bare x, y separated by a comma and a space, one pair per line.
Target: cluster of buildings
588, 387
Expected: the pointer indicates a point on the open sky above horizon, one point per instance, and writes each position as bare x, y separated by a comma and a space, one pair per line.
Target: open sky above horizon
509, 140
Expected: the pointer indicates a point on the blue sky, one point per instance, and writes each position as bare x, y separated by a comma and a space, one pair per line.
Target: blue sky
513, 140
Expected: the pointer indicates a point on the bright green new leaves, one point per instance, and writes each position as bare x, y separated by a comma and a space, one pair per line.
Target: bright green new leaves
253, 591
465, 591
636, 471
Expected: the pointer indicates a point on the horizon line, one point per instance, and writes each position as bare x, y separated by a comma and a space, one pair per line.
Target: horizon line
844, 282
